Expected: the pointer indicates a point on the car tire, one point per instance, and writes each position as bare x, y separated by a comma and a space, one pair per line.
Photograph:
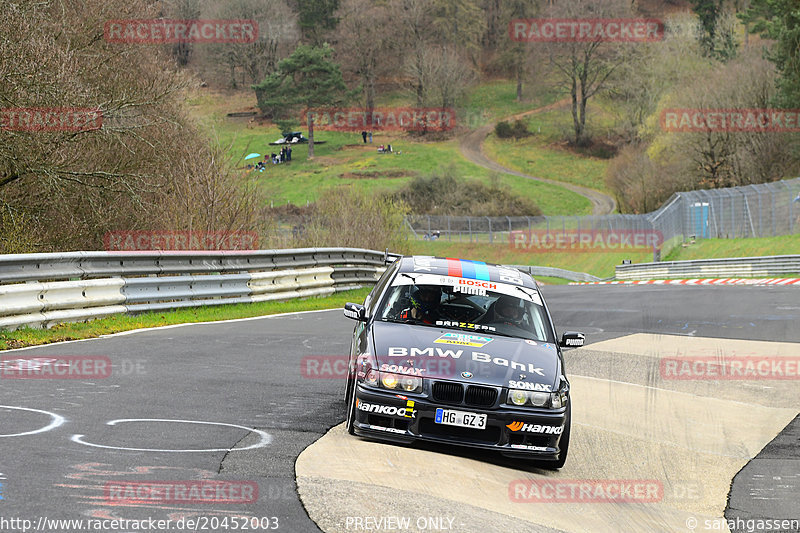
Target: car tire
564, 442
351, 409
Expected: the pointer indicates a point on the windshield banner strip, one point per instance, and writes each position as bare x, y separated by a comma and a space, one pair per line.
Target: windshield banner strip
481, 270
528, 294
454, 267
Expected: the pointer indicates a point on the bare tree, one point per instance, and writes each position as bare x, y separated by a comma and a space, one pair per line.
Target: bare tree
415, 32
73, 186
365, 47
278, 33
584, 67
649, 71
517, 58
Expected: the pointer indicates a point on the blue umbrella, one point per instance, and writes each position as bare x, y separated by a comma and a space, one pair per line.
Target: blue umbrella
251, 156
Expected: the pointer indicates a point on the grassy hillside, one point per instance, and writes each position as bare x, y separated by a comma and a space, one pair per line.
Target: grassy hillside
345, 159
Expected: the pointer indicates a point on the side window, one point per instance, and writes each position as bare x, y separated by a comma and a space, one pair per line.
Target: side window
372, 298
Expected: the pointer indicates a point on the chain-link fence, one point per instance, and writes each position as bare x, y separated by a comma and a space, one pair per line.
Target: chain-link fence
750, 211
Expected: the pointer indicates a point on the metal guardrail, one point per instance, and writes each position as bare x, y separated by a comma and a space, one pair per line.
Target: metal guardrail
39, 290
767, 266
555, 273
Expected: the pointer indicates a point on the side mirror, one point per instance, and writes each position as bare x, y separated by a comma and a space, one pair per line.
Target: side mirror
355, 311
572, 339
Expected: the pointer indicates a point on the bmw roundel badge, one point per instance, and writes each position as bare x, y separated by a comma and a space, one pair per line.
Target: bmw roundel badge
466, 374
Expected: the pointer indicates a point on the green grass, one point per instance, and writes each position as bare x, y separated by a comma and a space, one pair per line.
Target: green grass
345, 159
602, 264
598, 264
114, 324
545, 155
494, 100
709, 248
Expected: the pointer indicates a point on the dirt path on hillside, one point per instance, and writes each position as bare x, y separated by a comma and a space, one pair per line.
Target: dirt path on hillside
472, 147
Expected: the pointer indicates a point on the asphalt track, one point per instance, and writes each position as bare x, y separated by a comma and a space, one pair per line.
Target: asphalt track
693, 436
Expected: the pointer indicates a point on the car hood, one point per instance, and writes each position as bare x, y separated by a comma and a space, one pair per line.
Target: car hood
474, 357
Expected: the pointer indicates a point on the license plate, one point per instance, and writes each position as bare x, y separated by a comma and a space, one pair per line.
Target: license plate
460, 418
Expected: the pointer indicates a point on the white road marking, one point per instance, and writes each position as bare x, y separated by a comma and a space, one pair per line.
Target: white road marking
266, 438
56, 421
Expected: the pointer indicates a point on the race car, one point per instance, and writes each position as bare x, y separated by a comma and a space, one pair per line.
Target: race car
459, 352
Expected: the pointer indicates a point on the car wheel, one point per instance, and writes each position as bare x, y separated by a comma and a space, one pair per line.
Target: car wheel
351, 409
564, 442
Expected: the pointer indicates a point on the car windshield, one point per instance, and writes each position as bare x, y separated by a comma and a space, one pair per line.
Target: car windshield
482, 307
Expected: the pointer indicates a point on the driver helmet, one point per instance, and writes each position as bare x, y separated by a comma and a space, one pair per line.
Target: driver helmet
426, 298
508, 308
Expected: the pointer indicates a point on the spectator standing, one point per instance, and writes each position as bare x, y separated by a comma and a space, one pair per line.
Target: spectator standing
364, 136
288, 153
370, 137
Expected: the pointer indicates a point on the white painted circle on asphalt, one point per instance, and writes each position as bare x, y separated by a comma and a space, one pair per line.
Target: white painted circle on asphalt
56, 421
265, 439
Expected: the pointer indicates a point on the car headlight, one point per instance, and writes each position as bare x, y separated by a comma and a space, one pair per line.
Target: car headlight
398, 382
518, 397
540, 398
372, 377
411, 383
553, 400
389, 381
559, 399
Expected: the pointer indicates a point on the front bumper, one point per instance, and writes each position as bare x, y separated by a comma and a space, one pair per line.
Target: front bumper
533, 433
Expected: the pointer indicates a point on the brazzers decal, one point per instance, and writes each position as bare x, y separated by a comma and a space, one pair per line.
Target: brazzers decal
402, 351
